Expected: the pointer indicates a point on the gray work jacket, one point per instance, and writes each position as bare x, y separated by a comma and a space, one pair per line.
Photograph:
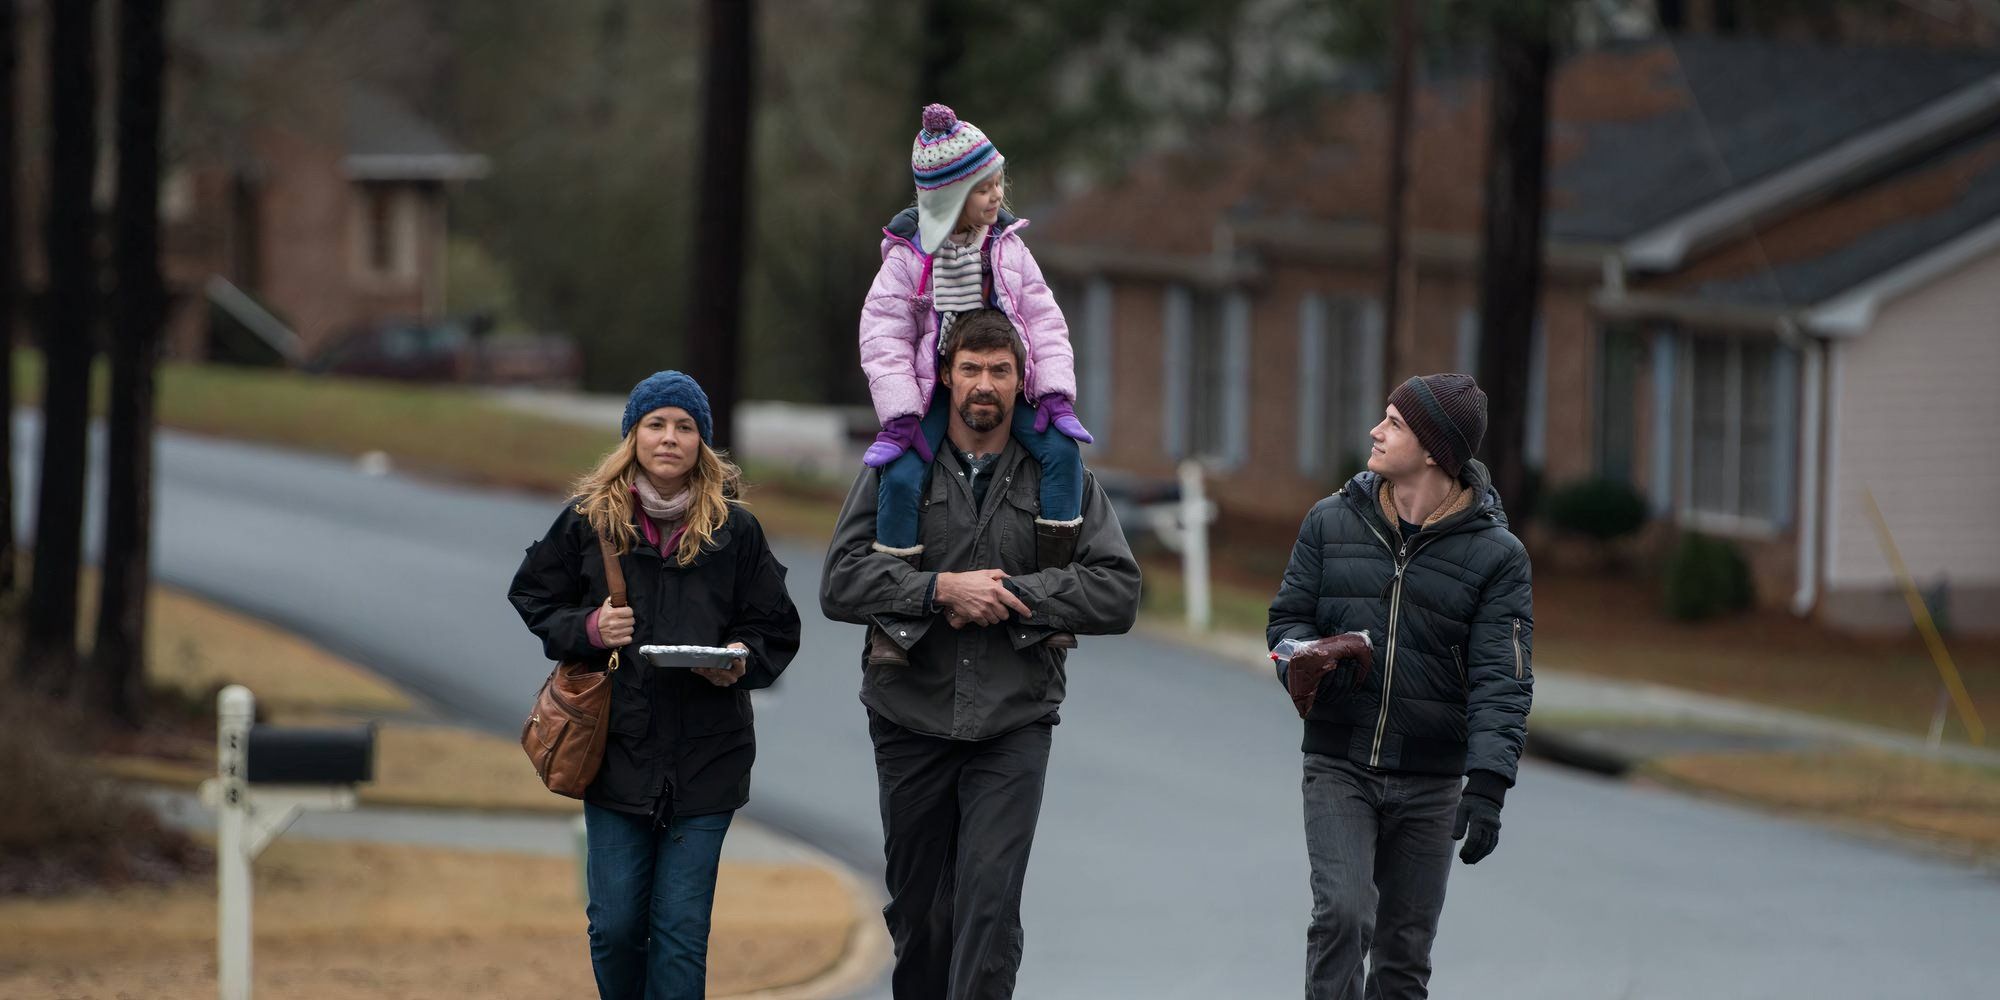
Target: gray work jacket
977, 683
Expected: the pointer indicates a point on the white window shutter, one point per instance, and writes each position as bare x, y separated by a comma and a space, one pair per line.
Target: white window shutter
1236, 375
1666, 352
1094, 382
1312, 379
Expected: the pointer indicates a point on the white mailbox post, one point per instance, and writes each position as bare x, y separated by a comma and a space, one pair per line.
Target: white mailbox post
1183, 527
265, 777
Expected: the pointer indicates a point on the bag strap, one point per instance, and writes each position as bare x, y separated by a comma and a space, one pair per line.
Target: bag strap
614, 577
614, 573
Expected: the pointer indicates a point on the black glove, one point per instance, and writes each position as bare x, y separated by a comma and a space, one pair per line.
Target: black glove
1478, 824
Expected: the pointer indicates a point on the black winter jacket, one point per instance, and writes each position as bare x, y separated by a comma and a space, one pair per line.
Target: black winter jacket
1452, 618
679, 745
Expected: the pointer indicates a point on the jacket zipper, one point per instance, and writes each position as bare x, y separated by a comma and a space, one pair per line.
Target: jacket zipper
1007, 306
1402, 560
999, 292
1464, 682
1517, 650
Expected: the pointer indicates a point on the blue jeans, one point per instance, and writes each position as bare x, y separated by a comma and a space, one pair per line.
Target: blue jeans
651, 891
900, 497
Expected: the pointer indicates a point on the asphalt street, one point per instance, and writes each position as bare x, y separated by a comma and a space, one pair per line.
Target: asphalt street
1170, 860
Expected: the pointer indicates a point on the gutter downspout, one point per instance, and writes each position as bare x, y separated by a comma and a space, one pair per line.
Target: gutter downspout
1811, 435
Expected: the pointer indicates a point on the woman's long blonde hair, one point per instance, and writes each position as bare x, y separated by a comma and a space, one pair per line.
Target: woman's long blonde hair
604, 497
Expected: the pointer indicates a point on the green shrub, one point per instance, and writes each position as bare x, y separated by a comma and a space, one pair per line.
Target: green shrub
1706, 577
1597, 509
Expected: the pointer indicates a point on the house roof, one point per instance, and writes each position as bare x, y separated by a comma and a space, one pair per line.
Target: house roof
1641, 135
388, 141
1814, 255
1733, 112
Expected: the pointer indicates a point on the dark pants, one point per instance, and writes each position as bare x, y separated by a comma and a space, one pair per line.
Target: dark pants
900, 496
651, 892
958, 818
1380, 845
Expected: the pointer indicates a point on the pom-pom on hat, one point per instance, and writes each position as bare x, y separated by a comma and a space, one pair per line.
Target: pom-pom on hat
948, 160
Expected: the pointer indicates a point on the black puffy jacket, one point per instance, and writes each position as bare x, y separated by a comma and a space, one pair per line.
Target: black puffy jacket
679, 745
1452, 619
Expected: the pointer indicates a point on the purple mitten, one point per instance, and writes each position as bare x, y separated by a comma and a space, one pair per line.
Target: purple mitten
1059, 409
899, 435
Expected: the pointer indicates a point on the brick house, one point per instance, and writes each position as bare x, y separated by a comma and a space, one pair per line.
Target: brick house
313, 217
1771, 268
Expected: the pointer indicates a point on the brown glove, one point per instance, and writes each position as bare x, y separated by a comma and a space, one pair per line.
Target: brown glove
1347, 655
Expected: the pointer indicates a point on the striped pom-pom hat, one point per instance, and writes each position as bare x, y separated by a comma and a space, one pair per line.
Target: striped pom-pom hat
948, 160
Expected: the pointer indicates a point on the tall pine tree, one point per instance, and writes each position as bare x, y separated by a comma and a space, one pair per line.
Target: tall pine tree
49, 657
117, 675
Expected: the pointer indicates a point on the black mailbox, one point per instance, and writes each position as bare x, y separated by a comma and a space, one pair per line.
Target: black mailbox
290, 755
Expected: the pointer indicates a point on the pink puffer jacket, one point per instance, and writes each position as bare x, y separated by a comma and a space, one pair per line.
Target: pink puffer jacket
899, 329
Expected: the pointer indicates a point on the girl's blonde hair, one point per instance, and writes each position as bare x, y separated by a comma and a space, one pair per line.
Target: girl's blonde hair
604, 497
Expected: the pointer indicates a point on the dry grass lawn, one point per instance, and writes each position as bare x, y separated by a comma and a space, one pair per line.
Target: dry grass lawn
351, 920
1614, 628
1950, 804
338, 921
430, 766
196, 648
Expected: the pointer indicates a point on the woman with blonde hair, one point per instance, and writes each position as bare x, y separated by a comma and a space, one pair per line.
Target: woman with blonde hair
697, 572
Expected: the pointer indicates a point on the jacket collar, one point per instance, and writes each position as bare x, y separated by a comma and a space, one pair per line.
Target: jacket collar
1457, 501
1011, 456
1470, 507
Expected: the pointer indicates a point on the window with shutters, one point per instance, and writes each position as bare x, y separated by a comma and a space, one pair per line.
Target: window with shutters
1735, 454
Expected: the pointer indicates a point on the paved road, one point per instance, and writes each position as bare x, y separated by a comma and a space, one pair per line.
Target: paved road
1169, 862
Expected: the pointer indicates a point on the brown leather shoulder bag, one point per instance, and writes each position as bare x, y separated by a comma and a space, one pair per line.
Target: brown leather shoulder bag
564, 735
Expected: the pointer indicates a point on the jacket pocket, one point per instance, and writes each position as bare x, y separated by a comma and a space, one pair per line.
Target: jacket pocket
1047, 667
1520, 655
631, 714
1019, 509
933, 517
725, 711
1464, 683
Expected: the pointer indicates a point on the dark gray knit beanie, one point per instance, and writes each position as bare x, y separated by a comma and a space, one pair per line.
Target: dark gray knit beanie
1447, 413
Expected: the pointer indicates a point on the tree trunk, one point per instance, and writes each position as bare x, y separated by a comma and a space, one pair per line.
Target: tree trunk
942, 48
10, 288
118, 657
1395, 219
716, 298
49, 651
1511, 252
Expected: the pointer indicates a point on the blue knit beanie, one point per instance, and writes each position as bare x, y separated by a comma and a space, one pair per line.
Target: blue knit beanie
669, 388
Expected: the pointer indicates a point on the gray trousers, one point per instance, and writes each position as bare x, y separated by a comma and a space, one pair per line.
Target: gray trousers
958, 818
1380, 845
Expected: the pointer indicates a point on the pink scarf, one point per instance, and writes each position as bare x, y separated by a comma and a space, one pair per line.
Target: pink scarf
664, 515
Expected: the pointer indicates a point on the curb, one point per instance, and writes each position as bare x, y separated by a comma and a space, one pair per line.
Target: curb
1577, 750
